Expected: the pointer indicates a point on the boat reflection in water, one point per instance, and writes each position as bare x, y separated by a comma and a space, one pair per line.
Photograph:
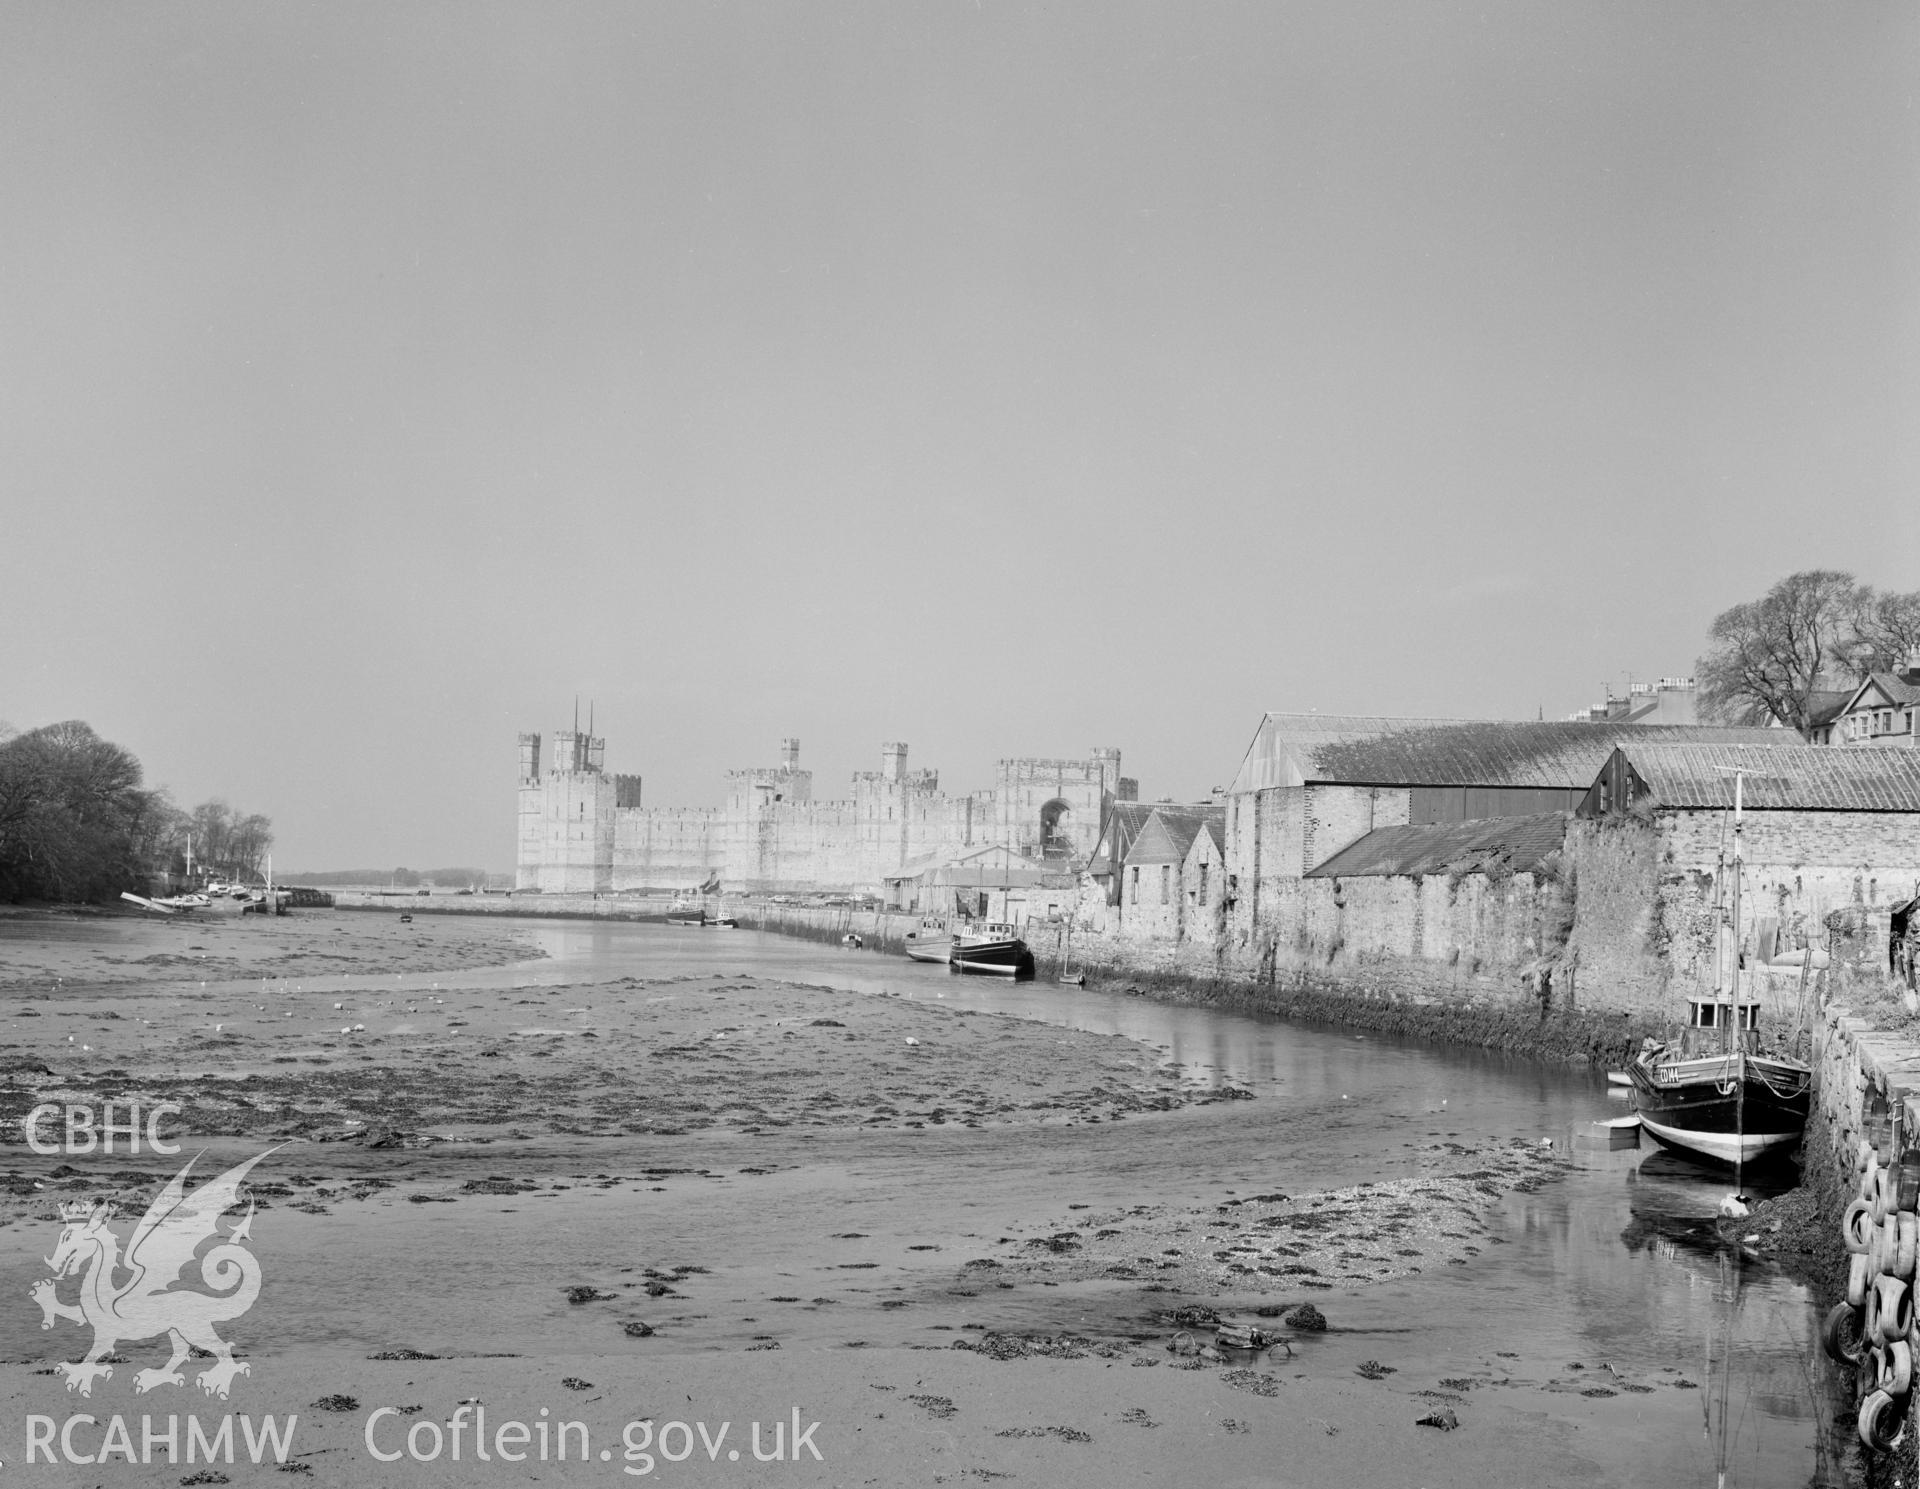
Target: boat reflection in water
1757, 1356
1676, 1199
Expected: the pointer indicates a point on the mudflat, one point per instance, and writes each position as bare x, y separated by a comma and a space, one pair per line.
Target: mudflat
661, 1159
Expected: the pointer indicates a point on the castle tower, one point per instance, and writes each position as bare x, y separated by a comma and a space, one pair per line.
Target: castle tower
566, 822
790, 753
893, 761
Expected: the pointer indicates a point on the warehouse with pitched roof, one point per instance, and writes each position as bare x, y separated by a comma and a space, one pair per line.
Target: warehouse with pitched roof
1829, 847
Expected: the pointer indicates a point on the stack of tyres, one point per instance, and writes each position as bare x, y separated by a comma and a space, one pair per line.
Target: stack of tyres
1874, 1329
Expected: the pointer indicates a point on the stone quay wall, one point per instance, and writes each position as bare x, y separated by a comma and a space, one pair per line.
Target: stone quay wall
1866, 1086
879, 930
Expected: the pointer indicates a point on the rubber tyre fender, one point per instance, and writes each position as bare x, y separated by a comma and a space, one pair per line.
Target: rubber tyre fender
1862, 1157
1896, 1369
1882, 1422
1841, 1336
1857, 1226
1907, 1192
1906, 1245
1893, 1313
1882, 1196
1857, 1278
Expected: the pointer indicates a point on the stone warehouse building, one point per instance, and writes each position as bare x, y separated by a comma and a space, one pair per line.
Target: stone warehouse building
1410, 854
585, 831
1829, 852
1312, 784
1577, 864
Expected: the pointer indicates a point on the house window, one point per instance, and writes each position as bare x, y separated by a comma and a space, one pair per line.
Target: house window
1166, 878
1203, 881
1135, 872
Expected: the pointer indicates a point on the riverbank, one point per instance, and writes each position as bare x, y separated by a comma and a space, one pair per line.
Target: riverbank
1512, 1024
46, 949
726, 1195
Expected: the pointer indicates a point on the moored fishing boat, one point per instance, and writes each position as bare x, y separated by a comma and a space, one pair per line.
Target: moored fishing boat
686, 909
1712, 1092
931, 941
992, 948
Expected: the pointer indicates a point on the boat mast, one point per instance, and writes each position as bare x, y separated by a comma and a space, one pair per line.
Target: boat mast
1740, 1048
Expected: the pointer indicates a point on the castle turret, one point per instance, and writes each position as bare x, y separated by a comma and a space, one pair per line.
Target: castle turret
790, 753
893, 761
566, 816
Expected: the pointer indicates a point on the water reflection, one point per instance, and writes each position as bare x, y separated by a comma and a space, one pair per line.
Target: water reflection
1615, 1269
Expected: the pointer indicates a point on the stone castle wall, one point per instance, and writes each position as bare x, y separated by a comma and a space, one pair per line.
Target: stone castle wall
583, 831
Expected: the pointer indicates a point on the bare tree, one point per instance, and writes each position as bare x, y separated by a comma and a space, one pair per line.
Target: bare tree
1886, 630
227, 842
1765, 657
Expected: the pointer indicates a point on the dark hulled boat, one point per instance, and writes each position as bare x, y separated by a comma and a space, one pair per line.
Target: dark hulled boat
1714, 1095
992, 948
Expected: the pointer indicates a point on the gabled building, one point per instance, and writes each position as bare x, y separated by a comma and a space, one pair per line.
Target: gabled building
1153, 899
991, 882
1123, 824
1883, 710
1203, 881
1829, 848
1310, 784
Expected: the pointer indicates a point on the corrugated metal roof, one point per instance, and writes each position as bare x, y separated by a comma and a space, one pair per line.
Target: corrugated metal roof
1521, 843
1283, 745
1792, 778
1294, 749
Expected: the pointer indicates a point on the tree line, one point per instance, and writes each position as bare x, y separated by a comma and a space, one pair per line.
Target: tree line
77, 823
1815, 632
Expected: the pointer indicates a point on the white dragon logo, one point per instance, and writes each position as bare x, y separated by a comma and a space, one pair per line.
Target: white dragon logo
144, 1305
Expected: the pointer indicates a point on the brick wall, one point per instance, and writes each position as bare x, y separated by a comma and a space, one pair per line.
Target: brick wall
1335, 816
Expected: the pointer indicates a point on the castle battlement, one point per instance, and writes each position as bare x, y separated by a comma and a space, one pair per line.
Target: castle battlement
583, 829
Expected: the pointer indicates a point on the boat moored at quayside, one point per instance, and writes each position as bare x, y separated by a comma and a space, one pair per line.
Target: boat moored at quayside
992, 949
931, 941
1713, 1094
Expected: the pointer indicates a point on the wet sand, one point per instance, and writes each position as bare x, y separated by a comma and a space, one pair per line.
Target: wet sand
483, 1096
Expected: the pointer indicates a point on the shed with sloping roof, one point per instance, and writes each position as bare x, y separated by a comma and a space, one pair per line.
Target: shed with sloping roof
1520, 845
1803, 778
1826, 844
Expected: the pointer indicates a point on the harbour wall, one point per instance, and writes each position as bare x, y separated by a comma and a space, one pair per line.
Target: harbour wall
1447, 1001
879, 930
1866, 1087
1482, 1008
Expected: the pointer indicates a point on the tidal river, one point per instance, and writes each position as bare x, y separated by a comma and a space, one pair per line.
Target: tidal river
1597, 1286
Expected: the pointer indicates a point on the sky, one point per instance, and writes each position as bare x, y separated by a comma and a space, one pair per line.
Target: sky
1005, 379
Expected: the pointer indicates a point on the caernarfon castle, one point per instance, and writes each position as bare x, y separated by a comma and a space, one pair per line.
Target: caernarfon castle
583, 830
